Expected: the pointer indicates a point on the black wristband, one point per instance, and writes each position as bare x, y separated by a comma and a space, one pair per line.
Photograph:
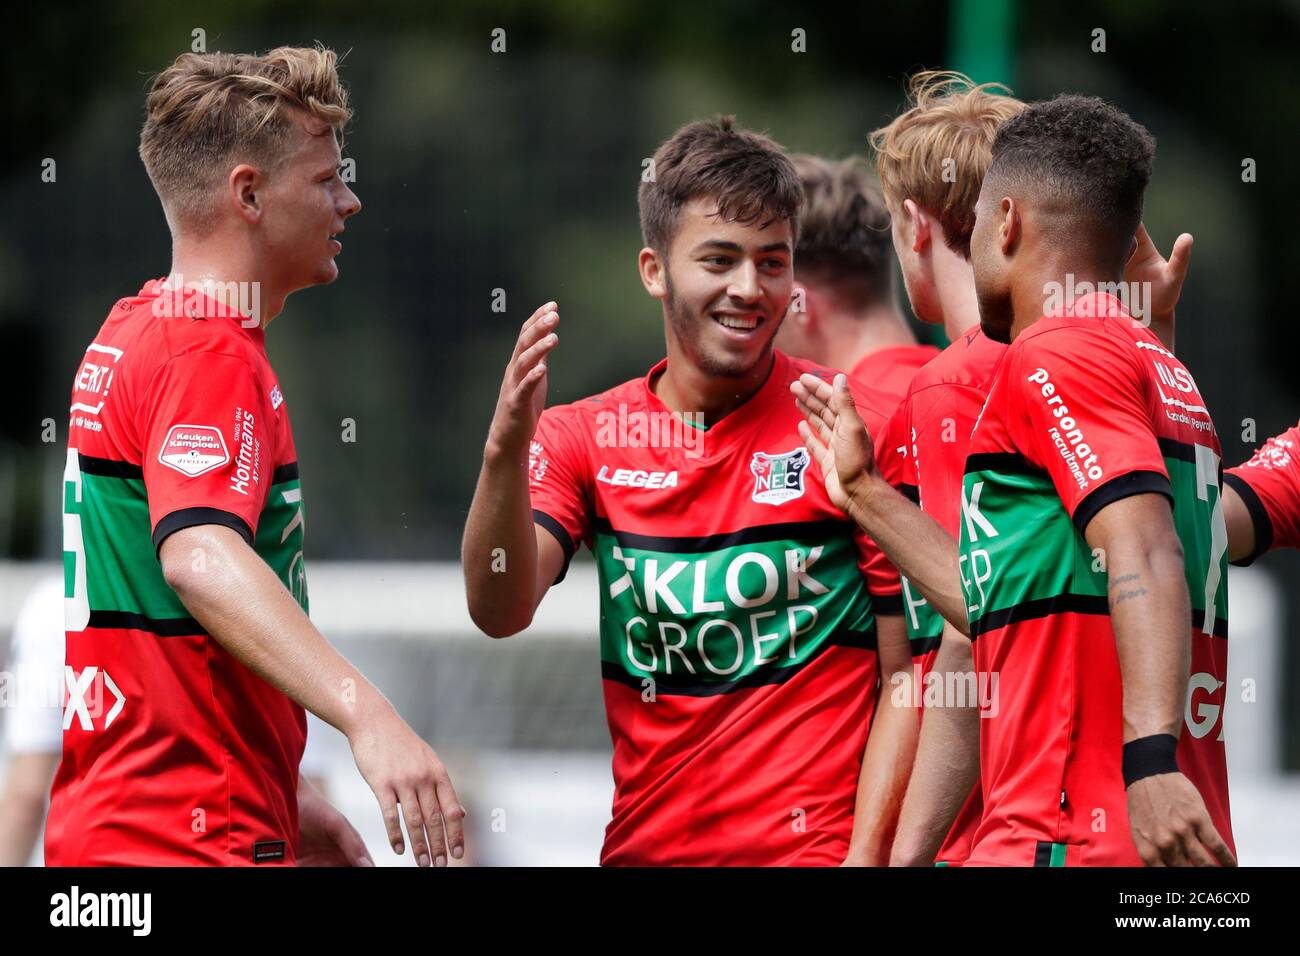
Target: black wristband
1148, 756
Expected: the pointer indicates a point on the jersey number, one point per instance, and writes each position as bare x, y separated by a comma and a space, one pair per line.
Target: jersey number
76, 600
1207, 478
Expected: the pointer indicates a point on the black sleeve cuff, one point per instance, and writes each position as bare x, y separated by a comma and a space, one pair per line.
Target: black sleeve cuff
191, 517
1258, 517
1125, 486
925, 645
890, 605
558, 532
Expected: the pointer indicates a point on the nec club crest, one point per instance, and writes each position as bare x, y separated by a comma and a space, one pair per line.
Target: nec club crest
778, 478
194, 450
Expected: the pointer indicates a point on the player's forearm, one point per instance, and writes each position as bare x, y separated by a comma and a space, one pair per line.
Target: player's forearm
916, 544
947, 761
891, 743
1241, 527
240, 601
20, 824
499, 550
22, 805
886, 763
1151, 616
310, 799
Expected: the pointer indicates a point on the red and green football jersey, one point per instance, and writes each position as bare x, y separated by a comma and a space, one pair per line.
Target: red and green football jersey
1087, 408
931, 430
895, 371
737, 624
931, 433
174, 753
1269, 484
890, 371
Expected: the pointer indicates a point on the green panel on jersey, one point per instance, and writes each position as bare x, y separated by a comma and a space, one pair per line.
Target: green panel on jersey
924, 623
1201, 529
1018, 546
69, 574
280, 533
122, 570
738, 613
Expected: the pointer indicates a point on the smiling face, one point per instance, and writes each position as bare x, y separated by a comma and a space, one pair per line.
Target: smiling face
725, 286
305, 205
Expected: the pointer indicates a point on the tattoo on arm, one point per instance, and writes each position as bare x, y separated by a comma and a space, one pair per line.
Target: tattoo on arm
1125, 595
1118, 595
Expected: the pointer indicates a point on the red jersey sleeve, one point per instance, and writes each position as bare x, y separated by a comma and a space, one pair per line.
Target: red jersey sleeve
1083, 417
891, 452
1269, 484
558, 470
883, 583
208, 445
942, 419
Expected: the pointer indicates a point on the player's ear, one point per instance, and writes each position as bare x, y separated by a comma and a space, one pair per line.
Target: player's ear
916, 226
652, 273
243, 186
1009, 225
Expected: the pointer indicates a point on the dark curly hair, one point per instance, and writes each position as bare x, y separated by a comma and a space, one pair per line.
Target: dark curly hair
1085, 151
749, 176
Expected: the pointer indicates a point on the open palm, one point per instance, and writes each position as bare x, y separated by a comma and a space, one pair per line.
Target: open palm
836, 435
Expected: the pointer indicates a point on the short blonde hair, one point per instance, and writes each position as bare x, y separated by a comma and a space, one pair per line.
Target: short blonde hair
210, 111
937, 151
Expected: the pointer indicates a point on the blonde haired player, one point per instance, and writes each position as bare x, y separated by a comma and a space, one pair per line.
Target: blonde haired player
931, 160
1084, 166
190, 656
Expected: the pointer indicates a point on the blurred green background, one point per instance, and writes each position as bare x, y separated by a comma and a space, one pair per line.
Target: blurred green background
518, 171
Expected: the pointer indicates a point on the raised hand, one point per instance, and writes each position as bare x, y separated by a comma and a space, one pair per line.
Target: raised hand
1163, 276
523, 388
836, 436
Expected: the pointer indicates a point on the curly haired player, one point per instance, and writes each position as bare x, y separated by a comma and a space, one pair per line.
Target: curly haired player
1073, 569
